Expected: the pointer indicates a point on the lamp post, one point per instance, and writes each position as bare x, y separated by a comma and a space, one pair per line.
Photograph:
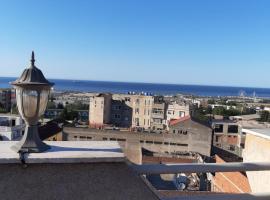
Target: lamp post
32, 93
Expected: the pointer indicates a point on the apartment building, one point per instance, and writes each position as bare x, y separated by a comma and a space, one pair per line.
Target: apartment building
121, 112
138, 110
100, 110
158, 118
176, 110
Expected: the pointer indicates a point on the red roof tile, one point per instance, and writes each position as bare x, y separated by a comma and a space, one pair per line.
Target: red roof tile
176, 121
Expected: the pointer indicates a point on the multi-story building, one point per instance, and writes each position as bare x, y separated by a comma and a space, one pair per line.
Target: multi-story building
100, 110
121, 112
227, 135
5, 99
141, 107
176, 110
158, 122
11, 127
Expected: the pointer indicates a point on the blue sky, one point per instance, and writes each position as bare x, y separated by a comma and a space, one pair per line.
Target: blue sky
209, 42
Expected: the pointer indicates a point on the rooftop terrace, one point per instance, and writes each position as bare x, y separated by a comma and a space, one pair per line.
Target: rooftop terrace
98, 170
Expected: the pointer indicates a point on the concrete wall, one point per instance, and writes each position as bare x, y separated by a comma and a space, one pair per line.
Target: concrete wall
257, 149
86, 181
198, 136
133, 142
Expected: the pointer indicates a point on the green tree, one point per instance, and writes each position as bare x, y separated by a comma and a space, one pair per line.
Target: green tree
264, 116
211, 101
219, 111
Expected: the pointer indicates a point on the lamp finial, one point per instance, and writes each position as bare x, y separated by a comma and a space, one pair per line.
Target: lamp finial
33, 59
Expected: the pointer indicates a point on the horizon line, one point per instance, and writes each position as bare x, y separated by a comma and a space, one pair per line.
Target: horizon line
154, 83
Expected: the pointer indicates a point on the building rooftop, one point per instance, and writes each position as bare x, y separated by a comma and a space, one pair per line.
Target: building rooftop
265, 132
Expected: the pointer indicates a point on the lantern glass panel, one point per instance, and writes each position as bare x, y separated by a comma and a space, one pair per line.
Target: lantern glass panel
30, 99
44, 96
19, 92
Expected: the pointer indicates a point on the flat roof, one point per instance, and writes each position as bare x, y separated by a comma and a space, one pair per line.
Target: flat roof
67, 152
264, 132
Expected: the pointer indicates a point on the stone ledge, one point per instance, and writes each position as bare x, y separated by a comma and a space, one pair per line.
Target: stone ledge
67, 152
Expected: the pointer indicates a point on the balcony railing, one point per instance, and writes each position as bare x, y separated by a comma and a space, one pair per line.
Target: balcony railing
150, 169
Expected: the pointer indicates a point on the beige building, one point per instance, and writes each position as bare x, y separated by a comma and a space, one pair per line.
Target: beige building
100, 110
118, 108
257, 147
158, 119
176, 111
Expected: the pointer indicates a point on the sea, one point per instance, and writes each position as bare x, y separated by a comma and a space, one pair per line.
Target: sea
149, 88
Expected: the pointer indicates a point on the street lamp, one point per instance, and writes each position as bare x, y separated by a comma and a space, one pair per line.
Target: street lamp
32, 93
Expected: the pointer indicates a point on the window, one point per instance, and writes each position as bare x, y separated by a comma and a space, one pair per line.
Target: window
112, 139
105, 138
117, 107
157, 142
89, 138
219, 128
181, 114
233, 129
183, 145
13, 122
149, 142
174, 131
137, 121
82, 137
137, 101
232, 148
117, 116
137, 110
121, 140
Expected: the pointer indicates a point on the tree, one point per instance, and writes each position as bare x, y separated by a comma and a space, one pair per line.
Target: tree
219, 111
51, 105
264, 116
211, 101
14, 109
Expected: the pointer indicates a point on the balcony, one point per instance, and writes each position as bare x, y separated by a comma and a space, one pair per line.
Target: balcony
99, 170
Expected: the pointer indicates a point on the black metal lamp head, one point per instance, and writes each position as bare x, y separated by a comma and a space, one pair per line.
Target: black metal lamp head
32, 93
